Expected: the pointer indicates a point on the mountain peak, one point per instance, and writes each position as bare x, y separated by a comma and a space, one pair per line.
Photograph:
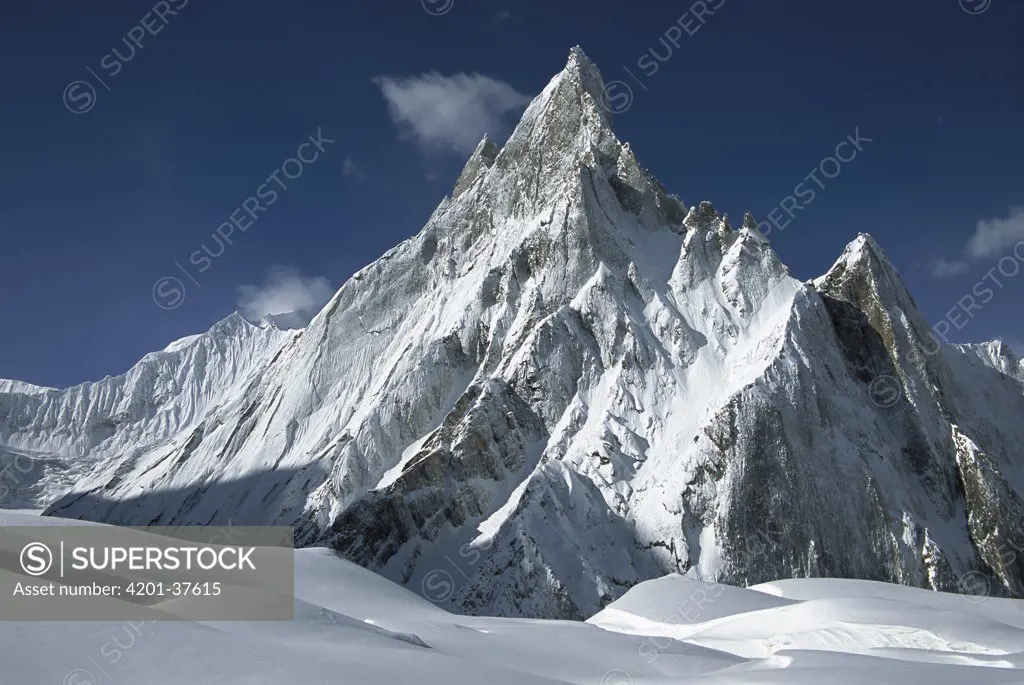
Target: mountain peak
576, 54
566, 128
703, 217
582, 66
863, 255
482, 159
575, 95
487, 148
582, 71
290, 321
864, 245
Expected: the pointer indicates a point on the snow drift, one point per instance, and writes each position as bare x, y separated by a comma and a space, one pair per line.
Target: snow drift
354, 626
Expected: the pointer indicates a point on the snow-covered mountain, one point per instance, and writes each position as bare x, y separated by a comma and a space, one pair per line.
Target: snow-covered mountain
570, 382
50, 439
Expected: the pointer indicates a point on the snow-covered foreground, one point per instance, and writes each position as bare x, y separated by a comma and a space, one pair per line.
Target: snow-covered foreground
352, 626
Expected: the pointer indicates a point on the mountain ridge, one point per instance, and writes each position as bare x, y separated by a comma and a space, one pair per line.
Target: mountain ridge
572, 382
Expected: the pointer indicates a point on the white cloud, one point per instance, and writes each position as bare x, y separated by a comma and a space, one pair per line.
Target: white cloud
285, 291
350, 168
450, 113
993, 236
943, 268
501, 17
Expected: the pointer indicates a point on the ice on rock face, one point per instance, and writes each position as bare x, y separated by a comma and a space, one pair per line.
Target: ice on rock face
567, 383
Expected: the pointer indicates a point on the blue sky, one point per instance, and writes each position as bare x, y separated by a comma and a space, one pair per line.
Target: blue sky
97, 206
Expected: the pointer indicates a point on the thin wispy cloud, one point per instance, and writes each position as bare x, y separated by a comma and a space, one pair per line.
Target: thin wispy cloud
450, 113
993, 236
502, 17
349, 168
284, 291
948, 268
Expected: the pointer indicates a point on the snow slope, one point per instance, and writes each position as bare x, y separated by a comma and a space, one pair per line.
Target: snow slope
50, 439
354, 626
844, 631
570, 382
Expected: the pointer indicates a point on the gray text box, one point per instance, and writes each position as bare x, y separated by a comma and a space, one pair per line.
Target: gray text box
108, 573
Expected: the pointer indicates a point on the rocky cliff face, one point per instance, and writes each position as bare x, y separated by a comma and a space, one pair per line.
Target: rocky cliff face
570, 381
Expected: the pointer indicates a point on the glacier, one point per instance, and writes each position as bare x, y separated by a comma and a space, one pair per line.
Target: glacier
353, 625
